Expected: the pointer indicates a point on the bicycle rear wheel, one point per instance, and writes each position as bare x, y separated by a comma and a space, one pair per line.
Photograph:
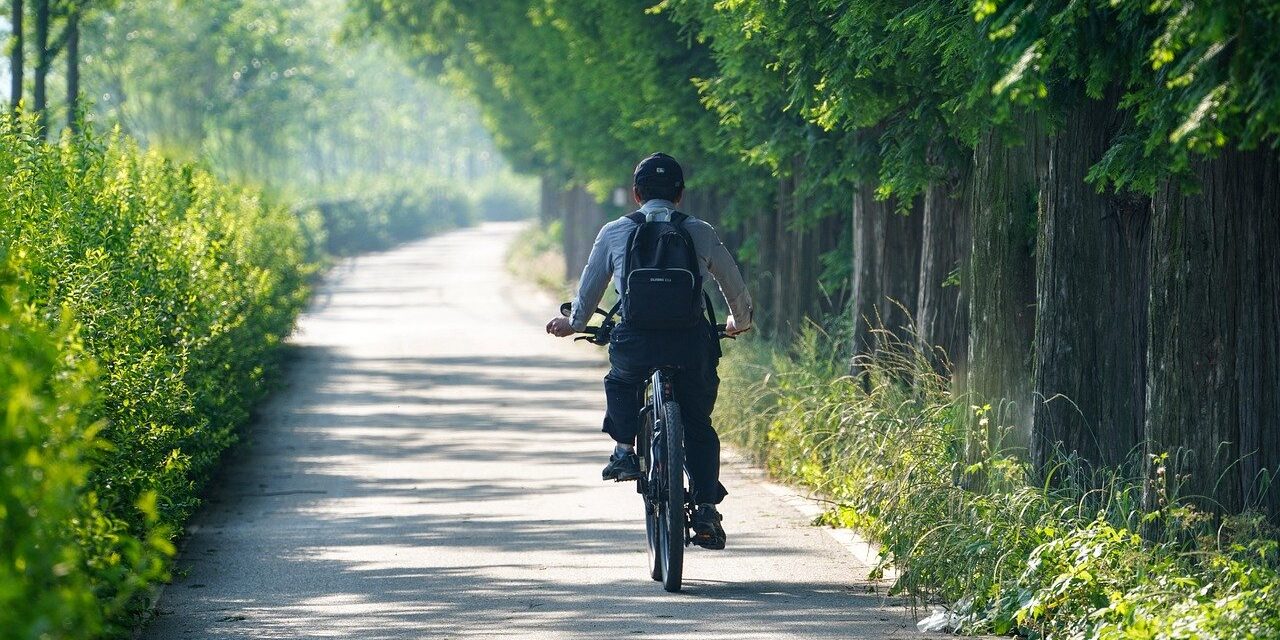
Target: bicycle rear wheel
651, 523
671, 511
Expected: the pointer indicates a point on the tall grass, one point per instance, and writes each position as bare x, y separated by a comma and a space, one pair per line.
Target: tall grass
536, 256
142, 305
1082, 555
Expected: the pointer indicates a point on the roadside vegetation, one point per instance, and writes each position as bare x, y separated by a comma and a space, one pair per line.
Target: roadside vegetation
144, 303
536, 257
381, 218
504, 197
373, 214
1079, 556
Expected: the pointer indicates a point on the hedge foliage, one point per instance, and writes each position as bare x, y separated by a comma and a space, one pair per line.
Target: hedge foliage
142, 304
385, 216
505, 198
44, 378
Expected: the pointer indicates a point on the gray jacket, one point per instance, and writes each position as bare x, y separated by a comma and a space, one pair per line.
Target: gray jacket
608, 259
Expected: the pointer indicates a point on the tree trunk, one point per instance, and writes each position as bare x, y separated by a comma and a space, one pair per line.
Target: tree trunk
1001, 285
765, 230
900, 268
886, 268
867, 227
941, 319
568, 232
1092, 294
583, 219
783, 245
548, 199
73, 70
16, 60
798, 243
43, 62
1214, 360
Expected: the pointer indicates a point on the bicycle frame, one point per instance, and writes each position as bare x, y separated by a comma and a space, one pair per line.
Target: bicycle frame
657, 393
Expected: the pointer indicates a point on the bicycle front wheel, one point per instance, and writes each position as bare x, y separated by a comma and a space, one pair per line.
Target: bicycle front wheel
671, 506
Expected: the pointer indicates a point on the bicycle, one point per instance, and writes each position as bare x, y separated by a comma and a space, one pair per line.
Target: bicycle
668, 502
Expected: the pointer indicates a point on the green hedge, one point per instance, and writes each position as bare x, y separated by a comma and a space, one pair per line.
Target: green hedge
505, 198
386, 217
1081, 557
143, 307
45, 380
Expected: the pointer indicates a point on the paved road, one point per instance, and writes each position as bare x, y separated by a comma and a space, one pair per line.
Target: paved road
431, 470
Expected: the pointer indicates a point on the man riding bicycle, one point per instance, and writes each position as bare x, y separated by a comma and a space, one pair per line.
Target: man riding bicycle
658, 186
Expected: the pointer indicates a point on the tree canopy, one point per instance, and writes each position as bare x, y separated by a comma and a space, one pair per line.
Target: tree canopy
266, 92
571, 83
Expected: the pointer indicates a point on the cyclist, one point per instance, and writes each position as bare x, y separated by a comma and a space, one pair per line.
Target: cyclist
658, 185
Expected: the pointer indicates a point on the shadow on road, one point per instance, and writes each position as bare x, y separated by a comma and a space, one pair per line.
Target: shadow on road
415, 483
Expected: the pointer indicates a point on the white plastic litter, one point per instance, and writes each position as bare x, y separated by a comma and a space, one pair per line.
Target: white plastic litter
939, 621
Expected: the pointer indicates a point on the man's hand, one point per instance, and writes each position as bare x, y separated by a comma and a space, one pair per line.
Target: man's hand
560, 327
731, 326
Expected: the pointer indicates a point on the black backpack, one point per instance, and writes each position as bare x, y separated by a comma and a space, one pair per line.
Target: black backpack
662, 284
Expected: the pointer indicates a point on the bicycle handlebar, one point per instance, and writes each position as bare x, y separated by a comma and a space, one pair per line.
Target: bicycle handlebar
566, 310
721, 334
599, 335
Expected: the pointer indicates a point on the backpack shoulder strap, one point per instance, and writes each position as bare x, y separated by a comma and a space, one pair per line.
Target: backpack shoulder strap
638, 218
613, 311
678, 218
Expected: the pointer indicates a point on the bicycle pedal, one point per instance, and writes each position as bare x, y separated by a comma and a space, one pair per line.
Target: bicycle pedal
706, 542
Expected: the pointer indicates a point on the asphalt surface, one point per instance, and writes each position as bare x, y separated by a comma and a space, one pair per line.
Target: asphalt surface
431, 470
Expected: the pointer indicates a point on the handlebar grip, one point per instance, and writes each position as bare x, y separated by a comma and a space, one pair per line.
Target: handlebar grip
722, 334
566, 310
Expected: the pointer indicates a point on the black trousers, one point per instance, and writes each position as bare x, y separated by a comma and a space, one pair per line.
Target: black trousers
634, 354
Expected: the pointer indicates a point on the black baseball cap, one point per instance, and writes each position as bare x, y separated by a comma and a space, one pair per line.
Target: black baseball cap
659, 170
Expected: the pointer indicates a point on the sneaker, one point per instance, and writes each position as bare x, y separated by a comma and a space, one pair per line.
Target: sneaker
707, 532
622, 468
